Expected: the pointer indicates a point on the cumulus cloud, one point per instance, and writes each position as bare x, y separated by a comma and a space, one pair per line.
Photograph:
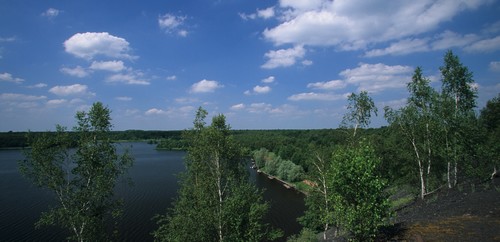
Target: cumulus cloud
20, 97
307, 62
259, 107
113, 66
171, 78
75, 89
77, 71
51, 13
443, 41
485, 45
266, 13
39, 85
313, 96
9, 78
261, 89
155, 111
56, 102
205, 86
89, 45
237, 107
18, 100
7, 39
495, 66
401, 47
283, 57
269, 79
175, 111
125, 99
355, 24
329, 85
377, 77
173, 24
128, 78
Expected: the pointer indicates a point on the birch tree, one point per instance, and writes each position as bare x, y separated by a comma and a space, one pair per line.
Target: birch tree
360, 107
459, 90
319, 212
417, 122
82, 182
215, 200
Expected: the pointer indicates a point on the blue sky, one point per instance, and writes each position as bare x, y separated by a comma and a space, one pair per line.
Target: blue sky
287, 64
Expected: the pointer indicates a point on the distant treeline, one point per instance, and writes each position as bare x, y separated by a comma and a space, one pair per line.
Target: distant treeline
19, 139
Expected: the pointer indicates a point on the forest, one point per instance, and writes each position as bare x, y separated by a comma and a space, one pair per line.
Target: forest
437, 141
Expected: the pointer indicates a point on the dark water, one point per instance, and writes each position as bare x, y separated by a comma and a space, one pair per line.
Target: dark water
155, 185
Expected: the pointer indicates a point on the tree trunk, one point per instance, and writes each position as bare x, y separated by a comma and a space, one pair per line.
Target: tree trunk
420, 169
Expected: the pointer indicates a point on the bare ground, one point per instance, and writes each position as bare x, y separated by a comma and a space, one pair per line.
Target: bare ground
469, 212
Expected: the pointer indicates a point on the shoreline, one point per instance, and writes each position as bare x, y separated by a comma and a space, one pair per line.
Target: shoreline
286, 184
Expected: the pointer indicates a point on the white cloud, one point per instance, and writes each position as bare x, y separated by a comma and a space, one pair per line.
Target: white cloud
77, 71
393, 103
266, 13
171, 78
485, 45
173, 112
492, 28
125, 99
307, 62
56, 102
283, 57
354, 24
16, 101
261, 89
443, 41
20, 97
269, 79
9, 78
172, 24
39, 85
7, 39
377, 77
401, 47
75, 89
51, 13
155, 111
259, 107
204, 86
184, 100
329, 85
449, 39
301, 5
237, 107
495, 66
313, 96
113, 66
89, 45
128, 78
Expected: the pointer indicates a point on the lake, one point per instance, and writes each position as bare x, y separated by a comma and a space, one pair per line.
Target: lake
155, 185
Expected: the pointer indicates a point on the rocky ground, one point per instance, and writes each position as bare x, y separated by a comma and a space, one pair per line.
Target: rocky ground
469, 212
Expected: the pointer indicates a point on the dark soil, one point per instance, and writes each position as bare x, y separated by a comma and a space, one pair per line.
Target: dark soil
468, 212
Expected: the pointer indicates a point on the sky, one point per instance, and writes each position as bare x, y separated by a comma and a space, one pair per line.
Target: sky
264, 64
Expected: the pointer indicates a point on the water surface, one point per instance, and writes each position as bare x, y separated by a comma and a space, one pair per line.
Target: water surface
155, 185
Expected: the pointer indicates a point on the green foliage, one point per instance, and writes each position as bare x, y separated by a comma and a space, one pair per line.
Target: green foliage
360, 108
490, 138
215, 201
274, 165
306, 235
359, 202
83, 182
